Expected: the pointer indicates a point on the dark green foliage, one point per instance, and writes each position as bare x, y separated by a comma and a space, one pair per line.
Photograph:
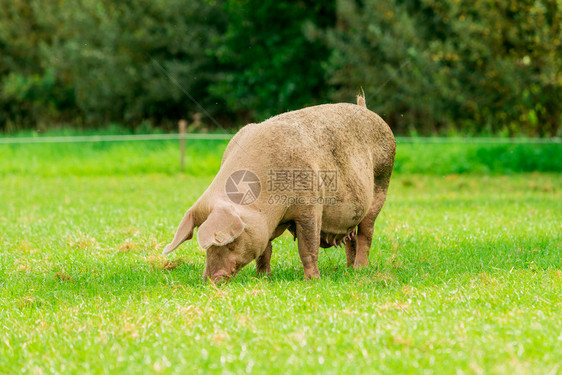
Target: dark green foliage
268, 65
427, 66
119, 71
112, 58
29, 86
490, 66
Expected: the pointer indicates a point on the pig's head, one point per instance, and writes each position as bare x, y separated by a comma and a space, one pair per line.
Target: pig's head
229, 237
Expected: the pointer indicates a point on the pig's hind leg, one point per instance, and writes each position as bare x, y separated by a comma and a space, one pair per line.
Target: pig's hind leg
362, 242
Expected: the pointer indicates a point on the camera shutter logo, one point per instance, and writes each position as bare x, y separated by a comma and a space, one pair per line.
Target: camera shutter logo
243, 187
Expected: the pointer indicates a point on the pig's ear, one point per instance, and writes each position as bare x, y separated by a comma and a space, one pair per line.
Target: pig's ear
223, 226
184, 233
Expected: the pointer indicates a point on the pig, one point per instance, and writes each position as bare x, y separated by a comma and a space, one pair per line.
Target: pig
321, 173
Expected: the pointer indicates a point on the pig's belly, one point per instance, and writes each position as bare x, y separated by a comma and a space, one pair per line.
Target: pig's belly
344, 209
341, 218
338, 223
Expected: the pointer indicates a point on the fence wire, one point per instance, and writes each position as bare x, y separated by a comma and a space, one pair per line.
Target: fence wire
222, 137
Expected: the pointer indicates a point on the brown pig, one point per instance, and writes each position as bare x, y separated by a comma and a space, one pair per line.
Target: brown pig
321, 172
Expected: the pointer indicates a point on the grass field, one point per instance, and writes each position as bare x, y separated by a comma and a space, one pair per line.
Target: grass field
465, 274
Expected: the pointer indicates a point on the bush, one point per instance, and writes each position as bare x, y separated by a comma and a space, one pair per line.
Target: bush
427, 66
431, 66
122, 61
268, 65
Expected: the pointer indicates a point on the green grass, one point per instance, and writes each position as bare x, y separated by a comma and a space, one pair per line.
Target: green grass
106, 159
465, 275
442, 159
203, 158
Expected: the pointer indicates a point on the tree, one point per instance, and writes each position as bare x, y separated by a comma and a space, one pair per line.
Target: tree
428, 66
29, 88
130, 61
268, 65
113, 61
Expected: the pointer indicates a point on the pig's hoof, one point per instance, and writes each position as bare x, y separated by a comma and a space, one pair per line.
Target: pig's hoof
360, 265
264, 272
311, 274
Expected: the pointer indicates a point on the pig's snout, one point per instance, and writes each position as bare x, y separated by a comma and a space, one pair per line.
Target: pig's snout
217, 277
221, 264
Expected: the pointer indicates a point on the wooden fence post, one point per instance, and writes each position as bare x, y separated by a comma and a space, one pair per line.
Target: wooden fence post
182, 126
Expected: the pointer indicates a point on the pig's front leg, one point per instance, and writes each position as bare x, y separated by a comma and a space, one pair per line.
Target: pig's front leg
308, 237
263, 262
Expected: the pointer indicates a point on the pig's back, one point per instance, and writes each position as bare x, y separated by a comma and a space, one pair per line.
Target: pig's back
343, 137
